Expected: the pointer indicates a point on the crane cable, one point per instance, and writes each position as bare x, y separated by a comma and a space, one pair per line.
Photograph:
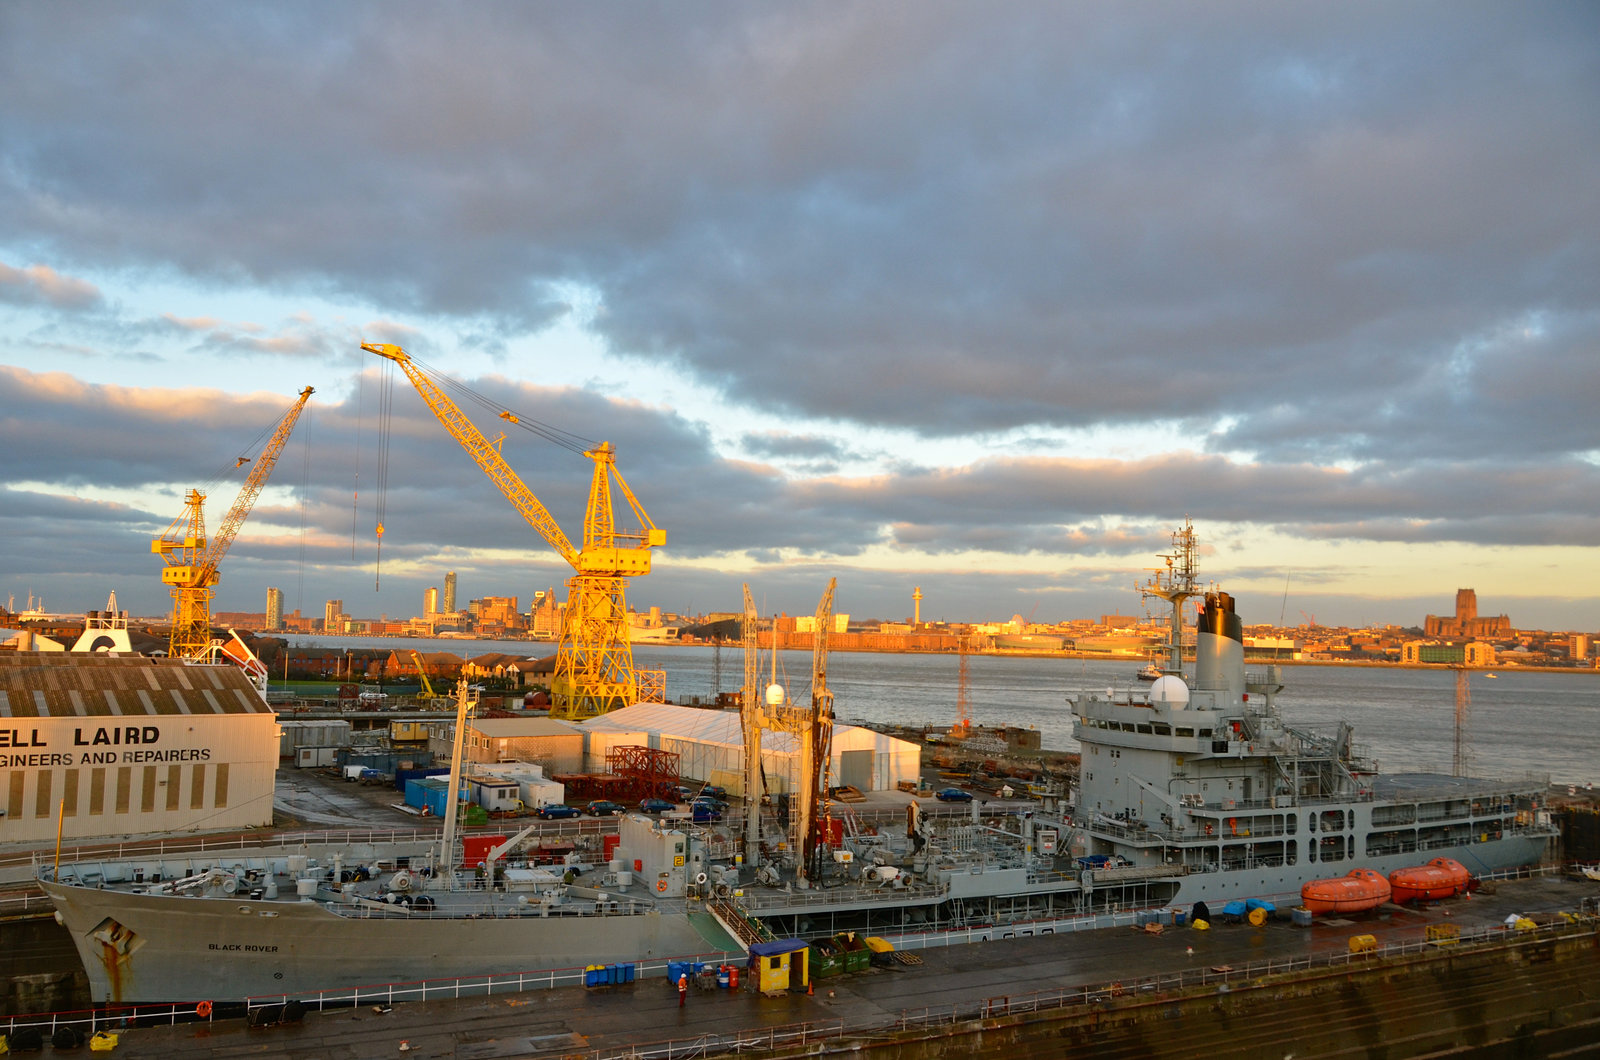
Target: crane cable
305, 491
355, 485
385, 412
574, 443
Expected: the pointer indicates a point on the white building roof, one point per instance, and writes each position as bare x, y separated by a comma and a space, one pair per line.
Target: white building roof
721, 727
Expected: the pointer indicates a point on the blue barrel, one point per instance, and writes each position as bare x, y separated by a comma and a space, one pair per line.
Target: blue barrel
722, 976
676, 970
627, 973
1179, 918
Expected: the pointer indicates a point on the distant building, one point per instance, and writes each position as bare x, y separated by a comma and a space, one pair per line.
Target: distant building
1580, 646
274, 608
498, 613
1466, 621
449, 591
1469, 654
333, 616
430, 602
544, 616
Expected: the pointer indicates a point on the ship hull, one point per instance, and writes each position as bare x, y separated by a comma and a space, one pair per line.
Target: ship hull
145, 948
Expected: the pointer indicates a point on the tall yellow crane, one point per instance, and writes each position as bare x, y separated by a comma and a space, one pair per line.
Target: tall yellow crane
191, 560
594, 659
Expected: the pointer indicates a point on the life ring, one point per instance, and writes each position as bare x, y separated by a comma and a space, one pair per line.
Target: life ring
661, 885
203, 1009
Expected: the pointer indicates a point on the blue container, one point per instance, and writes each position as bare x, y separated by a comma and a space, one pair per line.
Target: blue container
1301, 917
722, 977
1179, 918
590, 976
677, 970
627, 973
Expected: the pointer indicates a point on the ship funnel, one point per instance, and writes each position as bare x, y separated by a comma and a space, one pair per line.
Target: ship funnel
1219, 647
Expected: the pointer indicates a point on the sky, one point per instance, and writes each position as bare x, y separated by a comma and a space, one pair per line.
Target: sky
985, 301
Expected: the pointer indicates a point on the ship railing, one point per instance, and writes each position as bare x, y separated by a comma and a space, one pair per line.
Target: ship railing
755, 902
931, 1020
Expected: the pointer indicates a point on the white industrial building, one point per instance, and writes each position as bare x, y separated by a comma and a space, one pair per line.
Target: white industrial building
114, 745
710, 746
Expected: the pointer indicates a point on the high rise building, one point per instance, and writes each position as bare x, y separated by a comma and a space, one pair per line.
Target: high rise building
332, 617
274, 608
450, 591
430, 602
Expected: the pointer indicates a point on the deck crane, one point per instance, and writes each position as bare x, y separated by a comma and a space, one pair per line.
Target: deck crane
191, 560
594, 670
810, 726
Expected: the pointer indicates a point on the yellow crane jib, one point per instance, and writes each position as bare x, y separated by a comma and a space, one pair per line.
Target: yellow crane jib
594, 670
191, 560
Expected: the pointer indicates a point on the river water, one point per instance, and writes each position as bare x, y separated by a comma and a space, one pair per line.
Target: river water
1517, 723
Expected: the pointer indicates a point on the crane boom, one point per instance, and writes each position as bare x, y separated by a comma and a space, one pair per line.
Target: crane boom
191, 562
465, 432
594, 660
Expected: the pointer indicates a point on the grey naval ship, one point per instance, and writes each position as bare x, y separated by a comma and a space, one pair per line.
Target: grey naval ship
1192, 788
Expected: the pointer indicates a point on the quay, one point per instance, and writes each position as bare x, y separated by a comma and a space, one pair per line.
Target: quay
1235, 990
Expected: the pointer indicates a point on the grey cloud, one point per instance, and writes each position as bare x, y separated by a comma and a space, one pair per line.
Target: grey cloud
40, 284
940, 220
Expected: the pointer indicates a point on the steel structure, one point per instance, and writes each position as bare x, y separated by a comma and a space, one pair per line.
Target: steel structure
191, 560
650, 773
594, 670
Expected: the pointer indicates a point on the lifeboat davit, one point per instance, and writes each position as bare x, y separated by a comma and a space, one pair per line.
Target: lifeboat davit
1439, 878
1362, 889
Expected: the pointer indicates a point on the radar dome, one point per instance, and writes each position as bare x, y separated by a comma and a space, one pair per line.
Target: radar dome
774, 695
1170, 691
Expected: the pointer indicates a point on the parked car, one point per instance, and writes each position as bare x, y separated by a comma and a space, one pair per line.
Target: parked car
604, 808
556, 811
705, 810
656, 805
952, 795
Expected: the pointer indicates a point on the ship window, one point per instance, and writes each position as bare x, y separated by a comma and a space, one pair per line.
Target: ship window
41, 803
1332, 820
1205, 733
1145, 729
1186, 730
1163, 729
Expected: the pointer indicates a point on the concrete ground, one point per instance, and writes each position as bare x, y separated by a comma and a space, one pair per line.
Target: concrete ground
569, 1020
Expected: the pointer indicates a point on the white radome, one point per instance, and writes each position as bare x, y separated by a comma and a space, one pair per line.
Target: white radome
1170, 691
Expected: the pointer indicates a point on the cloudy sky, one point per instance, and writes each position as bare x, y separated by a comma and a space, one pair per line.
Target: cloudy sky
985, 300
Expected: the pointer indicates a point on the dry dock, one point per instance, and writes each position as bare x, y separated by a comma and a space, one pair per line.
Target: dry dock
1272, 991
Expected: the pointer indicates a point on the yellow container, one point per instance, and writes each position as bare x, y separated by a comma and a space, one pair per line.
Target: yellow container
1363, 943
877, 945
103, 1042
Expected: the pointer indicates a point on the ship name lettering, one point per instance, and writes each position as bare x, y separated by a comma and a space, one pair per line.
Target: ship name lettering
241, 947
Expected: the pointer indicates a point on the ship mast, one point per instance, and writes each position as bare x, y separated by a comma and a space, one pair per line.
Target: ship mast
465, 701
1175, 582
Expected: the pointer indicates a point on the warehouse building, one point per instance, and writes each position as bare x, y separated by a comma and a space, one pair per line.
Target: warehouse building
555, 745
710, 746
116, 745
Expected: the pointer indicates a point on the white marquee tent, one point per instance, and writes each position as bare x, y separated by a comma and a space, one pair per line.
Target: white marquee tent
710, 746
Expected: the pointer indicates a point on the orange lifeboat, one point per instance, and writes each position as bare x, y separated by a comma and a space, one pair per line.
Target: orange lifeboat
1362, 889
1439, 878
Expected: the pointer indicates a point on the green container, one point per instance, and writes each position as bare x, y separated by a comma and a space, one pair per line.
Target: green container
825, 963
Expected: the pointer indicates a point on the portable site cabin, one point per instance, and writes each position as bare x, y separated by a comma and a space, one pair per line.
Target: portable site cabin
783, 965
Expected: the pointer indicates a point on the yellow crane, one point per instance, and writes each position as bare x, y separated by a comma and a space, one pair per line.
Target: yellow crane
594, 659
429, 697
191, 560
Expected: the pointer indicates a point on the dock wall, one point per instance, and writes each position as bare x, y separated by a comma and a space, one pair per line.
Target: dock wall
1532, 996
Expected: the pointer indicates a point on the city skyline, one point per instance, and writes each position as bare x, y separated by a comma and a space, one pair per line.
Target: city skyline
933, 298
